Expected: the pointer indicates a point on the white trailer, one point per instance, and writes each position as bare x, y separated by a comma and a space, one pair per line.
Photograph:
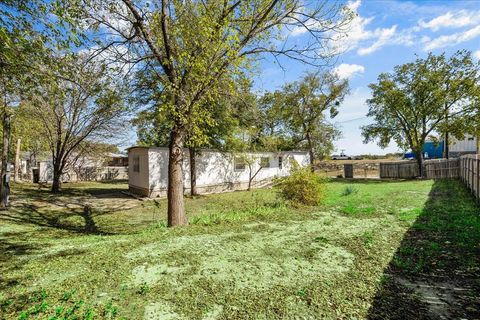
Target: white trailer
216, 171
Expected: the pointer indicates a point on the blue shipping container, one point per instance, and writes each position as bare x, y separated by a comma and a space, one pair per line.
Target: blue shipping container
430, 151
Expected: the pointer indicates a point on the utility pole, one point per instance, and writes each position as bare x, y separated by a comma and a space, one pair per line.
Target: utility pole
16, 177
5, 170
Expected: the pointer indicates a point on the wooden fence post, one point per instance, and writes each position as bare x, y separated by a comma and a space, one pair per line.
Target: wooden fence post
478, 179
471, 175
348, 170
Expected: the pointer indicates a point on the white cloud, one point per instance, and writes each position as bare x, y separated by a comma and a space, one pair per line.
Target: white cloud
347, 71
360, 37
476, 54
450, 19
452, 39
365, 39
384, 37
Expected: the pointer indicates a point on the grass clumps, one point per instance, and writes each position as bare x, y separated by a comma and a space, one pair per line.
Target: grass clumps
302, 187
247, 254
349, 190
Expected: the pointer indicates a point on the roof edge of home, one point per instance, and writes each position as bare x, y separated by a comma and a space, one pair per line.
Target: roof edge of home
216, 150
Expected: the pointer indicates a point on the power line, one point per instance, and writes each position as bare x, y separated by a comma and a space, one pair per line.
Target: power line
351, 120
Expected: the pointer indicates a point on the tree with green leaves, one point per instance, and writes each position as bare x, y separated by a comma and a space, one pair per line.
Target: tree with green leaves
28, 28
19, 45
189, 46
302, 108
153, 127
25, 129
427, 96
457, 78
77, 99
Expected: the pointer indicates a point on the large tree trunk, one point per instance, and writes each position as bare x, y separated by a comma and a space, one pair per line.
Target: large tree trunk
193, 172
57, 178
310, 152
419, 155
4, 185
17, 160
176, 210
446, 146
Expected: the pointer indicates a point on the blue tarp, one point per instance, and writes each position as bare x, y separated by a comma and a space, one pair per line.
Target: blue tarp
431, 150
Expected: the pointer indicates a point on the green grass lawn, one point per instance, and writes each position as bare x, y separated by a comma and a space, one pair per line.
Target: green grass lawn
245, 255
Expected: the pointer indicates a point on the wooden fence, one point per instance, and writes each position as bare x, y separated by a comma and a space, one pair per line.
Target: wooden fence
432, 169
399, 170
470, 173
442, 169
467, 168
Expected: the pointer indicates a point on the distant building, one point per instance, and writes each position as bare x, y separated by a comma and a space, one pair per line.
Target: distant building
457, 148
117, 160
113, 166
216, 171
460, 147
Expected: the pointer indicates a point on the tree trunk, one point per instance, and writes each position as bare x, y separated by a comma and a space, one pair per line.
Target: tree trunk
17, 160
176, 210
5, 185
446, 146
420, 163
310, 152
193, 172
57, 181
249, 177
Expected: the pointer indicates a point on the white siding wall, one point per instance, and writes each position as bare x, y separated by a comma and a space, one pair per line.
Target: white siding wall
45, 169
213, 167
464, 145
158, 168
138, 179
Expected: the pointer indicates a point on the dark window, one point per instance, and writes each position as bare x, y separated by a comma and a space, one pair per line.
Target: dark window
136, 164
280, 162
239, 163
471, 138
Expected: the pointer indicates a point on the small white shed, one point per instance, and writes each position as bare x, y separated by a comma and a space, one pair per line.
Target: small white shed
216, 171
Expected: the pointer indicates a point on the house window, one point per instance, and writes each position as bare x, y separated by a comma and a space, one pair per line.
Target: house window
471, 138
239, 163
265, 162
136, 164
280, 162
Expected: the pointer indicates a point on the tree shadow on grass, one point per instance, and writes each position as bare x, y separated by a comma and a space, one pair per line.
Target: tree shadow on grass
76, 209
98, 190
435, 273
76, 220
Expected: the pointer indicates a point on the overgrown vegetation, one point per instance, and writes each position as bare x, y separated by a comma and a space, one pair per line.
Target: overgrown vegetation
302, 187
349, 190
247, 254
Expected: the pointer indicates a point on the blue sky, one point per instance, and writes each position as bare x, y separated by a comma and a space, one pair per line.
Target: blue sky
384, 34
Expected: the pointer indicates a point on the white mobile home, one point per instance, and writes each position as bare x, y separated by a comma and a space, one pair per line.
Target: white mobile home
460, 147
216, 171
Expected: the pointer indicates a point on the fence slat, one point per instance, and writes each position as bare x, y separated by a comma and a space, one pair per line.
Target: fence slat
466, 168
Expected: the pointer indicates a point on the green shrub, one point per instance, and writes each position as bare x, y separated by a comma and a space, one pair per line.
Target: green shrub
349, 190
302, 187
